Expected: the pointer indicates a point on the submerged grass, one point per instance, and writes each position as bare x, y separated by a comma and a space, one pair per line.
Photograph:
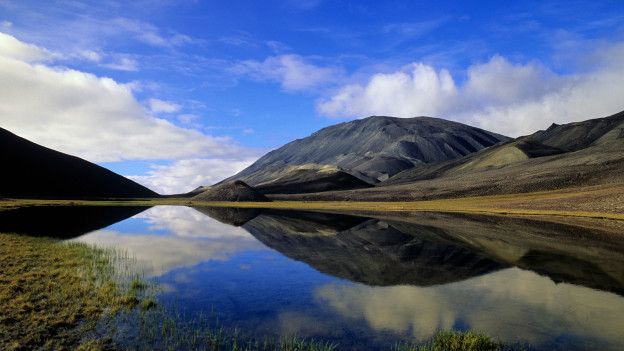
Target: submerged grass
161, 328
52, 293
450, 340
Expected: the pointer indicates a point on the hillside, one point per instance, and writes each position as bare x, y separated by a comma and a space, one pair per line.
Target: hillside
575, 154
371, 149
30, 170
311, 179
230, 191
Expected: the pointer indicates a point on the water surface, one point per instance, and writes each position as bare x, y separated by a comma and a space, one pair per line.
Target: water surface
366, 283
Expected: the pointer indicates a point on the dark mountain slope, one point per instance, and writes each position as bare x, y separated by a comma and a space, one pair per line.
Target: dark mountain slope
30, 170
373, 148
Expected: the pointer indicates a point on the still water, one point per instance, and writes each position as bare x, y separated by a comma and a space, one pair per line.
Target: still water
366, 283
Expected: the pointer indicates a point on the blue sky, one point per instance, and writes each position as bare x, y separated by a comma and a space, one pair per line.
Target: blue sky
183, 93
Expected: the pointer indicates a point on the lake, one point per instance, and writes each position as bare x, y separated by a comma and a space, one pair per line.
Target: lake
365, 282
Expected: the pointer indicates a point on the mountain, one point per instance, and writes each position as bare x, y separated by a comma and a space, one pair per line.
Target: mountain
370, 149
310, 179
231, 191
583, 153
33, 171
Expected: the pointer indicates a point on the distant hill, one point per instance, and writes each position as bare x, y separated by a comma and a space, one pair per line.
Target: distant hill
230, 191
583, 153
30, 170
370, 149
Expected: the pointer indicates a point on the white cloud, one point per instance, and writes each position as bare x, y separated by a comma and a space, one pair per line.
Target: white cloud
158, 106
92, 117
293, 72
417, 88
6, 24
512, 99
10, 47
185, 175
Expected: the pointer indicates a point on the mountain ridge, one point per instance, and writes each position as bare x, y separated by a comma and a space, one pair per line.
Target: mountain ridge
373, 148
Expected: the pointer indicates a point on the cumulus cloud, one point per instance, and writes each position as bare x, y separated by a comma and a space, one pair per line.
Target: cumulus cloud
10, 47
417, 88
293, 72
508, 98
89, 116
185, 175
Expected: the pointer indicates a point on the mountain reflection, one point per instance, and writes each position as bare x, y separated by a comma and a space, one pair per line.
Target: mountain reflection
63, 221
368, 251
429, 249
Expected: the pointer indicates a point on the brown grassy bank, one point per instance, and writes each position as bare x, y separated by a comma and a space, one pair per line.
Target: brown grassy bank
52, 293
603, 202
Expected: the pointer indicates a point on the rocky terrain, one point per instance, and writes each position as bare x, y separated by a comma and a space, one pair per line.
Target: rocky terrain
571, 155
371, 149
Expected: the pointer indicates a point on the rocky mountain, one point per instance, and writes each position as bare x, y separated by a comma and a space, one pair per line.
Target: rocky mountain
583, 153
370, 149
33, 171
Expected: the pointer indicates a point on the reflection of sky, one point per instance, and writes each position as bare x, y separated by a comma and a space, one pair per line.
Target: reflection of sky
512, 304
168, 237
204, 265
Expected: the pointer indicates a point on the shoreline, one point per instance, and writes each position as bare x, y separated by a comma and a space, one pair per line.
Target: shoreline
586, 202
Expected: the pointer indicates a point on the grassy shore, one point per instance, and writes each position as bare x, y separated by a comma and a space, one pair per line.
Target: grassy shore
53, 293
602, 202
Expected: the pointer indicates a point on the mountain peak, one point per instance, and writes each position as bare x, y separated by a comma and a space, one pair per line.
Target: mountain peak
374, 148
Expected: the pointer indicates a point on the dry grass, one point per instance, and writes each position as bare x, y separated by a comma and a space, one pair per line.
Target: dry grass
52, 293
602, 202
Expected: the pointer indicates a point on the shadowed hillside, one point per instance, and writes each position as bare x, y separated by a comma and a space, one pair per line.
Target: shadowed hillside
30, 170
